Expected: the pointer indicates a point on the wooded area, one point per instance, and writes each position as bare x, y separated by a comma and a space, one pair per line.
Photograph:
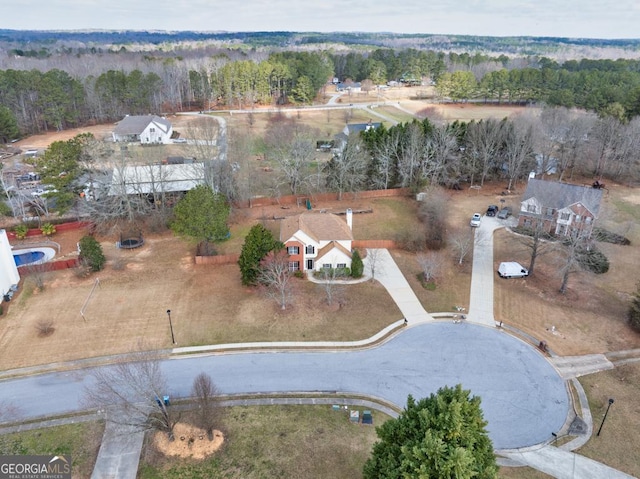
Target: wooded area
50, 87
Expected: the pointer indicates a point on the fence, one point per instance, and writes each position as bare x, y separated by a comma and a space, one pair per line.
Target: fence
74, 225
51, 266
363, 244
296, 199
219, 259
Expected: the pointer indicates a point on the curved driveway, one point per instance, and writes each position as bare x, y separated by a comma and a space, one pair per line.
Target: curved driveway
523, 397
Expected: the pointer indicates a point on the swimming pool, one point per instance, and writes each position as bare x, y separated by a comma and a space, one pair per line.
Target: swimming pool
28, 256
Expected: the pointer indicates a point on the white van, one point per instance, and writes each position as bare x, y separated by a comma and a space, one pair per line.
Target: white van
511, 269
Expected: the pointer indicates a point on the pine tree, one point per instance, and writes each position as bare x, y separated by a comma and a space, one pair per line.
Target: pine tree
257, 244
357, 267
441, 436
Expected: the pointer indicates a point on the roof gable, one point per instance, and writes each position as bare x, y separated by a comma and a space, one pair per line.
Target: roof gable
551, 194
136, 124
318, 226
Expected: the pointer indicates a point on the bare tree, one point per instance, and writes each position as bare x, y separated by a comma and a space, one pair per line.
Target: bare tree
483, 141
430, 265
374, 262
518, 149
462, 243
413, 154
385, 160
275, 276
292, 146
133, 391
432, 213
208, 401
347, 170
442, 163
334, 290
535, 242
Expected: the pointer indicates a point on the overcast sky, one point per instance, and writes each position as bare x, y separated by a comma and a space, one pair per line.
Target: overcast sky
558, 18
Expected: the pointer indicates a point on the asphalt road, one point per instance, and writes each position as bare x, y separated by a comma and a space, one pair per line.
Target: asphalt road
523, 397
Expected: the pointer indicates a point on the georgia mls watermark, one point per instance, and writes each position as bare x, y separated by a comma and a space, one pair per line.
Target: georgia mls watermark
35, 467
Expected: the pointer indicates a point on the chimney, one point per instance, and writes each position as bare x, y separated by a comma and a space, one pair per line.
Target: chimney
350, 218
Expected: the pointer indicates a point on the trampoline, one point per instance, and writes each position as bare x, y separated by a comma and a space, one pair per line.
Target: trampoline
130, 242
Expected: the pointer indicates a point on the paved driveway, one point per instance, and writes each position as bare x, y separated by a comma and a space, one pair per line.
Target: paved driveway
523, 397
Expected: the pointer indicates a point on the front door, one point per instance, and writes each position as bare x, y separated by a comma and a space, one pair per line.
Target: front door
309, 264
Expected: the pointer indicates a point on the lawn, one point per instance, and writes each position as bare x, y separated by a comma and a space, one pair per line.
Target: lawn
81, 441
277, 441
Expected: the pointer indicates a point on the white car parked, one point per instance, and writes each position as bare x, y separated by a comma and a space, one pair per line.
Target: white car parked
475, 220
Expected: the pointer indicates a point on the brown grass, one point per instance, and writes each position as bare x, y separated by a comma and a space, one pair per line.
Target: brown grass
617, 445
208, 306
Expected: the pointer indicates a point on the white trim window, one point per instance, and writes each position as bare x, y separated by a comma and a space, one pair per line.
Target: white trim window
292, 250
294, 266
310, 249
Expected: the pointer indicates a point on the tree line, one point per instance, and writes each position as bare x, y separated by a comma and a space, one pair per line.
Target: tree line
55, 95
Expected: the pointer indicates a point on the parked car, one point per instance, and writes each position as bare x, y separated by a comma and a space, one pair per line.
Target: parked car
504, 213
492, 210
511, 269
475, 220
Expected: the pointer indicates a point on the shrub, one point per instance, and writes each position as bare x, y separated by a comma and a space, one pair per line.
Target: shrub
48, 229
633, 315
592, 259
600, 234
21, 231
357, 267
91, 253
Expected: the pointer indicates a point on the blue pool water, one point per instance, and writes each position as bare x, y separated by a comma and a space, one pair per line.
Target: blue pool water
28, 258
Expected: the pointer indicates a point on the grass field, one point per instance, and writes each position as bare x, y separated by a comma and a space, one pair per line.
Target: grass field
81, 441
277, 441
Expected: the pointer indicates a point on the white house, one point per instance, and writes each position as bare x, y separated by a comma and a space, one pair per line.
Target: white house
144, 129
9, 276
316, 241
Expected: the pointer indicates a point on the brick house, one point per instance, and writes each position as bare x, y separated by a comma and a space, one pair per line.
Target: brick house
564, 209
317, 240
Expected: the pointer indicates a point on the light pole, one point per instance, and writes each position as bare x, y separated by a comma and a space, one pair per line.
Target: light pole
171, 326
605, 416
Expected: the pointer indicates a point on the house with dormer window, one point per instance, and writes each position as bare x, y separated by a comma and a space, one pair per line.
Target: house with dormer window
316, 241
561, 208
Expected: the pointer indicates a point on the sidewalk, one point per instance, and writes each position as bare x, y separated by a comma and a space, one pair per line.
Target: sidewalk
389, 275
565, 465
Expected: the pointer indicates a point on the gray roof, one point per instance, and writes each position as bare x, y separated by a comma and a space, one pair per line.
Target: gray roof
556, 195
358, 127
134, 125
146, 179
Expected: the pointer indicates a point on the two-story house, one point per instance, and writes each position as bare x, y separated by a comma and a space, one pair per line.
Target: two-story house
317, 240
560, 208
143, 129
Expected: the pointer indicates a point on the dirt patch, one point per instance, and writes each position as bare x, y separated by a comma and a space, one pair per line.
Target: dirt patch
190, 442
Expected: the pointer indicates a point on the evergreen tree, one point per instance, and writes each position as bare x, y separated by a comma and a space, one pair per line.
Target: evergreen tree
257, 244
202, 215
357, 267
91, 253
442, 436
634, 310
8, 125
